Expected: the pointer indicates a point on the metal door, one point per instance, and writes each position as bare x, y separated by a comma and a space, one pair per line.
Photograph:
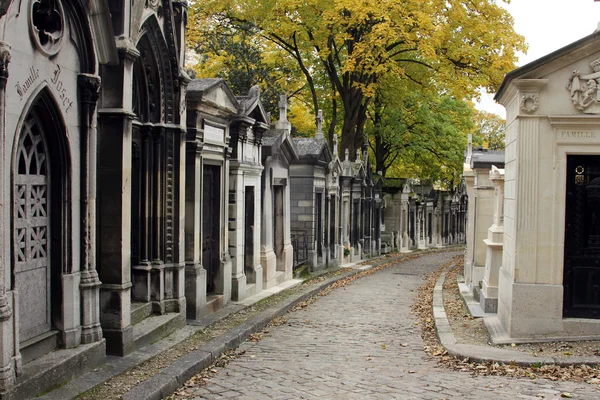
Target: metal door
211, 212
582, 238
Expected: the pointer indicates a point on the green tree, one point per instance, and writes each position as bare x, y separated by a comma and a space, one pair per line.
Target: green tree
345, 48
489, 130
413, 132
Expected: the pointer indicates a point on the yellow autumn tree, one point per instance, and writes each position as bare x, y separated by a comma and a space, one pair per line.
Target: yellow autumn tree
344, 47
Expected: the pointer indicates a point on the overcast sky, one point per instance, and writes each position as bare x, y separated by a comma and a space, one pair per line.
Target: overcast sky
548, 25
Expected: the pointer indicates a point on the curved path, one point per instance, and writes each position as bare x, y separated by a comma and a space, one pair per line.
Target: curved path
361, 342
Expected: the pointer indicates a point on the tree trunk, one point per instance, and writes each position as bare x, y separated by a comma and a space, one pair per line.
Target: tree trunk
355, 117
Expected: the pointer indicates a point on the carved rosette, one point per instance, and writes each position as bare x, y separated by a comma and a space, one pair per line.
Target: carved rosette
47, 25
529, 103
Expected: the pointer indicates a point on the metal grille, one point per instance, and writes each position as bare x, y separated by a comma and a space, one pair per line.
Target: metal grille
300, 245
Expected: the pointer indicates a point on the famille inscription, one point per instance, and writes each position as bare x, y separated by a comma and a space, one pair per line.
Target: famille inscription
23, 88
56, 83
579, 134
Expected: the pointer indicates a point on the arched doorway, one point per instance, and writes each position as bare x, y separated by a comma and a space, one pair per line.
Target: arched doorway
155, 142
39, 221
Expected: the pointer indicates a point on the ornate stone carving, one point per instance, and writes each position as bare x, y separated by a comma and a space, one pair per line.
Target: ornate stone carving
585, 90
89, 88
152, 4
529, 103
47, 25
4, 59
249, 102
4, 4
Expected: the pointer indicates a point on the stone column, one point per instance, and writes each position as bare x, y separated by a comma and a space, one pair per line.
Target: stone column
288, 250
224, 280
493, 260
89, 86
327, 223
469, 177
114, 200
268, 260
195, 274
7, 373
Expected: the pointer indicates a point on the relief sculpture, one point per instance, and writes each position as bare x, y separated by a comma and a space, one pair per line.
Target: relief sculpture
584, 89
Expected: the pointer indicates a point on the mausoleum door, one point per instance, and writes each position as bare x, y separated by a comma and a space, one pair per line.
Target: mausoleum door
278, 226
210, 224
31, 235
332, 215
248, 233
319, 223
582, 238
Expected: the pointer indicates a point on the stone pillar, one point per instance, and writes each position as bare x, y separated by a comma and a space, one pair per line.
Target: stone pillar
114, 200
326, 224
236, 228
89, 285
224, 280
288, 249
469, 177
7, 371
268, 259
493, 260
421, 233
195, 274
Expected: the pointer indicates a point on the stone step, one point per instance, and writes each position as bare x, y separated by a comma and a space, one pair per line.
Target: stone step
57, 368
497, 333
214, 302
156, 327
140, 311
38, 346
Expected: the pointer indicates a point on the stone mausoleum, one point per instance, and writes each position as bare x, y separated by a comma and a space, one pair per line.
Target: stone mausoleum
549, 280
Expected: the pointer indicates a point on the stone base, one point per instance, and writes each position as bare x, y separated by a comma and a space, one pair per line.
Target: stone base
241, 289
488, 304
269, 262
288, 256
119, 342
195, 291
55, 369
534, 311
477, 274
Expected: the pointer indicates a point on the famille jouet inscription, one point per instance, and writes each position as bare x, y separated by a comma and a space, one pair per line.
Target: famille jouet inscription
579, 134
23, 88
56, 83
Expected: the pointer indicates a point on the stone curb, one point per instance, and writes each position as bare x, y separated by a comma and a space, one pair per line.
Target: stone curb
174, 376
480, 354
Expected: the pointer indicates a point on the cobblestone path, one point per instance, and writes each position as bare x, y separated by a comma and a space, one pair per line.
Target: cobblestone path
361, 342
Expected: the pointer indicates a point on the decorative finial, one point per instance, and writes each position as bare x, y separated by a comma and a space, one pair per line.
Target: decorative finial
335, 146
357, 155
319, 134
347, 155
283, 123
